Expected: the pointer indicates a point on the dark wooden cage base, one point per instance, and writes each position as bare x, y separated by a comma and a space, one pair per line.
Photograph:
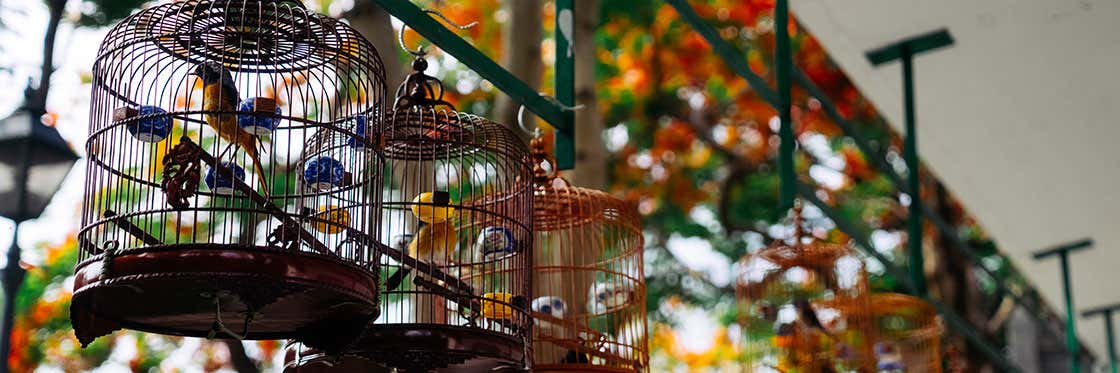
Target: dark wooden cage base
415, 348
259, 293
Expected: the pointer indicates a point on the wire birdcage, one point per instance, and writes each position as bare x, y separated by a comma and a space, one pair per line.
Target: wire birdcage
909, 334
589, 308
227, 166
457, 223
804, 307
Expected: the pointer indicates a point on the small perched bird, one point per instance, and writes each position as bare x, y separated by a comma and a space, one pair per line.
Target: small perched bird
220, 94
433, 243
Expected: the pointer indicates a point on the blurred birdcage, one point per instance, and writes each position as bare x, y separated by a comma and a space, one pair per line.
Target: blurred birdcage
457, 223
227, 167
804, 307
909, 334
589, 308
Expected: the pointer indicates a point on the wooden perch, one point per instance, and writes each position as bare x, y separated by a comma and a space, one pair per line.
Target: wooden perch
260, 200
127, 226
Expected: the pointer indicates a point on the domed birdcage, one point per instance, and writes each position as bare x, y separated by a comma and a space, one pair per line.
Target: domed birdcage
909, 334
457, 220
804, 307
227, 169
588, 282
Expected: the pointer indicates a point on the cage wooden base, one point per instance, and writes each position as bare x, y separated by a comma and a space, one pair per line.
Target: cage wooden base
302, 359
429, 347
259, 293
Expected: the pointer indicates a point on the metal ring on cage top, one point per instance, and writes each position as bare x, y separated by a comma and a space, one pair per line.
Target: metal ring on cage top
420, 49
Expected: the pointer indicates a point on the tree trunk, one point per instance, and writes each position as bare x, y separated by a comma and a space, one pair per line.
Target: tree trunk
591, 153
521, 55
374, 24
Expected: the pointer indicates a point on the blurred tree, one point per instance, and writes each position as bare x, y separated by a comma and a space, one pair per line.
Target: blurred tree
520, 54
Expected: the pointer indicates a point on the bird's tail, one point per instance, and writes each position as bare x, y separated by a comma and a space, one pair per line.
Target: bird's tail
250, 145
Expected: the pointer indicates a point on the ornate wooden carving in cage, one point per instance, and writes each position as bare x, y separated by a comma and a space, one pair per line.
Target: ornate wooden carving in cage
804, 307
589, 305
909, 334
457, 216
227, 169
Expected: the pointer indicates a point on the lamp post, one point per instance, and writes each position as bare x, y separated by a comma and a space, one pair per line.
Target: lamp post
35, 161
905, 50
1062, 252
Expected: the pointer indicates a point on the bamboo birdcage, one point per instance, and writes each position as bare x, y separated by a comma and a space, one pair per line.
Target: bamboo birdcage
183, 232
457, 217
909, 334
804, 307
589, 308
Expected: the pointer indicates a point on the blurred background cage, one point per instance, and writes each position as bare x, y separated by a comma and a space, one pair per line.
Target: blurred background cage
805, 307
908, 334
457, 223
589, 304
227, 166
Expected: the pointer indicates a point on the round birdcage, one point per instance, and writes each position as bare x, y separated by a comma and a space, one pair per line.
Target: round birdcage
227, 168
588, 281
909, 334
804, 307
457, 223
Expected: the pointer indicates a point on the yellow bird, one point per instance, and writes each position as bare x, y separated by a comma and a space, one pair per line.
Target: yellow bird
434, 243
220, 94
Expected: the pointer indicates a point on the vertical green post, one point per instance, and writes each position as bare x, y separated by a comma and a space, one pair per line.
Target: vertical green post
1111, 340
783, 64
564, 34
904, 51
1072, 345
913, 181
1071, 325
1106, 313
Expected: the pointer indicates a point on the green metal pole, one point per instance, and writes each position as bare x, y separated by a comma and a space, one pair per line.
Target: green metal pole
913, 182
564, 35
1062, 252
1106, 312
1071, 325
784, 63
1111, 340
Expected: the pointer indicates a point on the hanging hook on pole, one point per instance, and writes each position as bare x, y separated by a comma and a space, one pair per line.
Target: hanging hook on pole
535, 132
419, 52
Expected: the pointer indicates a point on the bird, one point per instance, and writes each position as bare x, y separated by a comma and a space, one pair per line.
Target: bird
220, 95
433, 243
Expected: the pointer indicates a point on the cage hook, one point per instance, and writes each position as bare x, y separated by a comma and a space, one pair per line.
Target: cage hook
419, 52
535, 132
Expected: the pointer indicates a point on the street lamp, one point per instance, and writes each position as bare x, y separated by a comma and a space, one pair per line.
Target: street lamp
34, 160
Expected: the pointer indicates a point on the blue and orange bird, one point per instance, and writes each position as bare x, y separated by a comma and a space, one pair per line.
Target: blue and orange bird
220, 95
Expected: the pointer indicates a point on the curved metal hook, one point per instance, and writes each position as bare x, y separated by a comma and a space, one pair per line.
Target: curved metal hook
419, 48
536, 132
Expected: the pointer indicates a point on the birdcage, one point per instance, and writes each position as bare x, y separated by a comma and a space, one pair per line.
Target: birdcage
588, 283
456, 226
908, 334
228, 164
804, 307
